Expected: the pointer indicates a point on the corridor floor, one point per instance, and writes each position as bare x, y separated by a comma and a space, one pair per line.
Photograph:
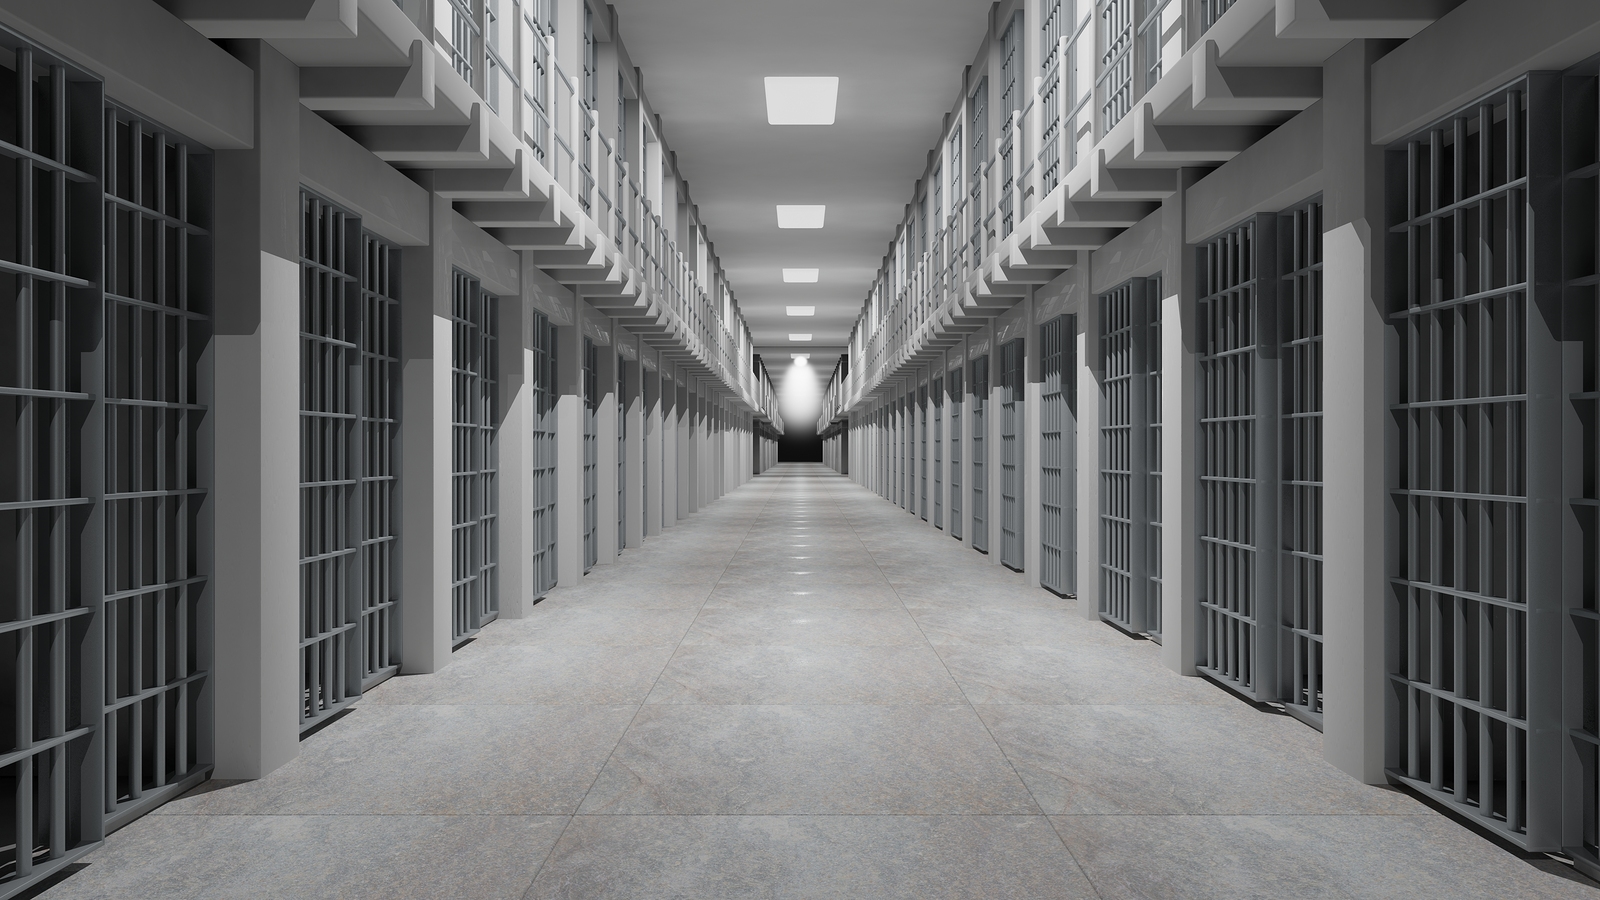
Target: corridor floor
802, 691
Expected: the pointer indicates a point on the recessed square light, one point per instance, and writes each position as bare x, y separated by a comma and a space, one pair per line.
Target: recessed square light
799, 337
801, 276
801, 216
801, 310
801, 101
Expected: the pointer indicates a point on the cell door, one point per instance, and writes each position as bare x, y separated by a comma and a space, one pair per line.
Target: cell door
980, 447
1300, 443
349, 480
591, 455
1011, 409
622, 458
1058, 454
922, 452
1238, 454
544, 455
475, 466
938, 452
1152, 457
956, 401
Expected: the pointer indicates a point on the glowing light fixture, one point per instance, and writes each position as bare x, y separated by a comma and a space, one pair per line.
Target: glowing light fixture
800, 357
799, 337
801, 310
801, 101
801, 216
801, 276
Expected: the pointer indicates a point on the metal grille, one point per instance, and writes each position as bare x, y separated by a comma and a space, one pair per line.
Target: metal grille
1152, 457
980, 446
622, 459
349, 360
922, 452
50, 472
956, 400
903, 448
1011, 400
1052, 54
1124, 503
938, 452
591, 455
1211, 11
1058, 454
474, 537
1464, 710
1300, 321
1238, 439
544, 455
978, 158
1116, 63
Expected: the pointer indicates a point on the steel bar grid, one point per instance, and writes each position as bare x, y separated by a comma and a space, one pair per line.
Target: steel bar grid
937, 398
1300, 321
622, 458
1058, 454
544, 455
1116, 61
1474, 673
591, 455
1152, 456
957, 400
51, 466
1011, 411
1122, 551
1238, 459
474, 589
379, 474
922, 451
980, 445
978, 159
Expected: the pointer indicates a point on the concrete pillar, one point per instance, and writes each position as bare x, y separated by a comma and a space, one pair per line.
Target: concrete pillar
569, 455
633, 465
514, 441
686, 458
256, 413
1090, 382
1355, 421
654, 406
1032, 441
671, 410
606, 464
1180, 430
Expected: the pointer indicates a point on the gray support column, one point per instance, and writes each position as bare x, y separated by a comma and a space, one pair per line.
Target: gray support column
255, 501
686, 479
1090, 378
654, 405
1356, 358
569, 455
606, 436
633, 464
515, 445
671, 410
1180, 429
426, 393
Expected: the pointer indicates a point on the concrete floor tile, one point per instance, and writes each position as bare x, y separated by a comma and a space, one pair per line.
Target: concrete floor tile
1013, 627
432, 760
538, 674
627, 596
1082, 673
1275, 857
803, 573
581, 625
1179, 760
297, 857
796, 857
751, 675
769, 760
836, 596
806, 627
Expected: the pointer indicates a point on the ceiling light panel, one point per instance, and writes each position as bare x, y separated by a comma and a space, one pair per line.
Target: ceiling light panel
801, 101
801, 276
801, 310
798, 338
801, 216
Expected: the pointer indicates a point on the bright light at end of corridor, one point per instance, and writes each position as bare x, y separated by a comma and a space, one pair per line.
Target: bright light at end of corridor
800, 397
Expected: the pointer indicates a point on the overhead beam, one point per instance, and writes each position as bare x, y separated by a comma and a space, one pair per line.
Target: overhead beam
372, 87
1358, 19
438, 145
1252, 88
1189, 144
267, 19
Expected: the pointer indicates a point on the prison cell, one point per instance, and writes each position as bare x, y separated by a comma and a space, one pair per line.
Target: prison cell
348, 413
1011, 407
1124, 460
52, 532
475, 597
1300, 446
1474, 675
902, 428
978, 160
980, 444
591, 455
622, 459
953, 383
922, 451
1238, 438
544, 455
937, 397
1058, 453
1152, 457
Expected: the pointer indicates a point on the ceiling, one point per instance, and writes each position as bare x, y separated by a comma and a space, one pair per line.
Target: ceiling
899, 64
